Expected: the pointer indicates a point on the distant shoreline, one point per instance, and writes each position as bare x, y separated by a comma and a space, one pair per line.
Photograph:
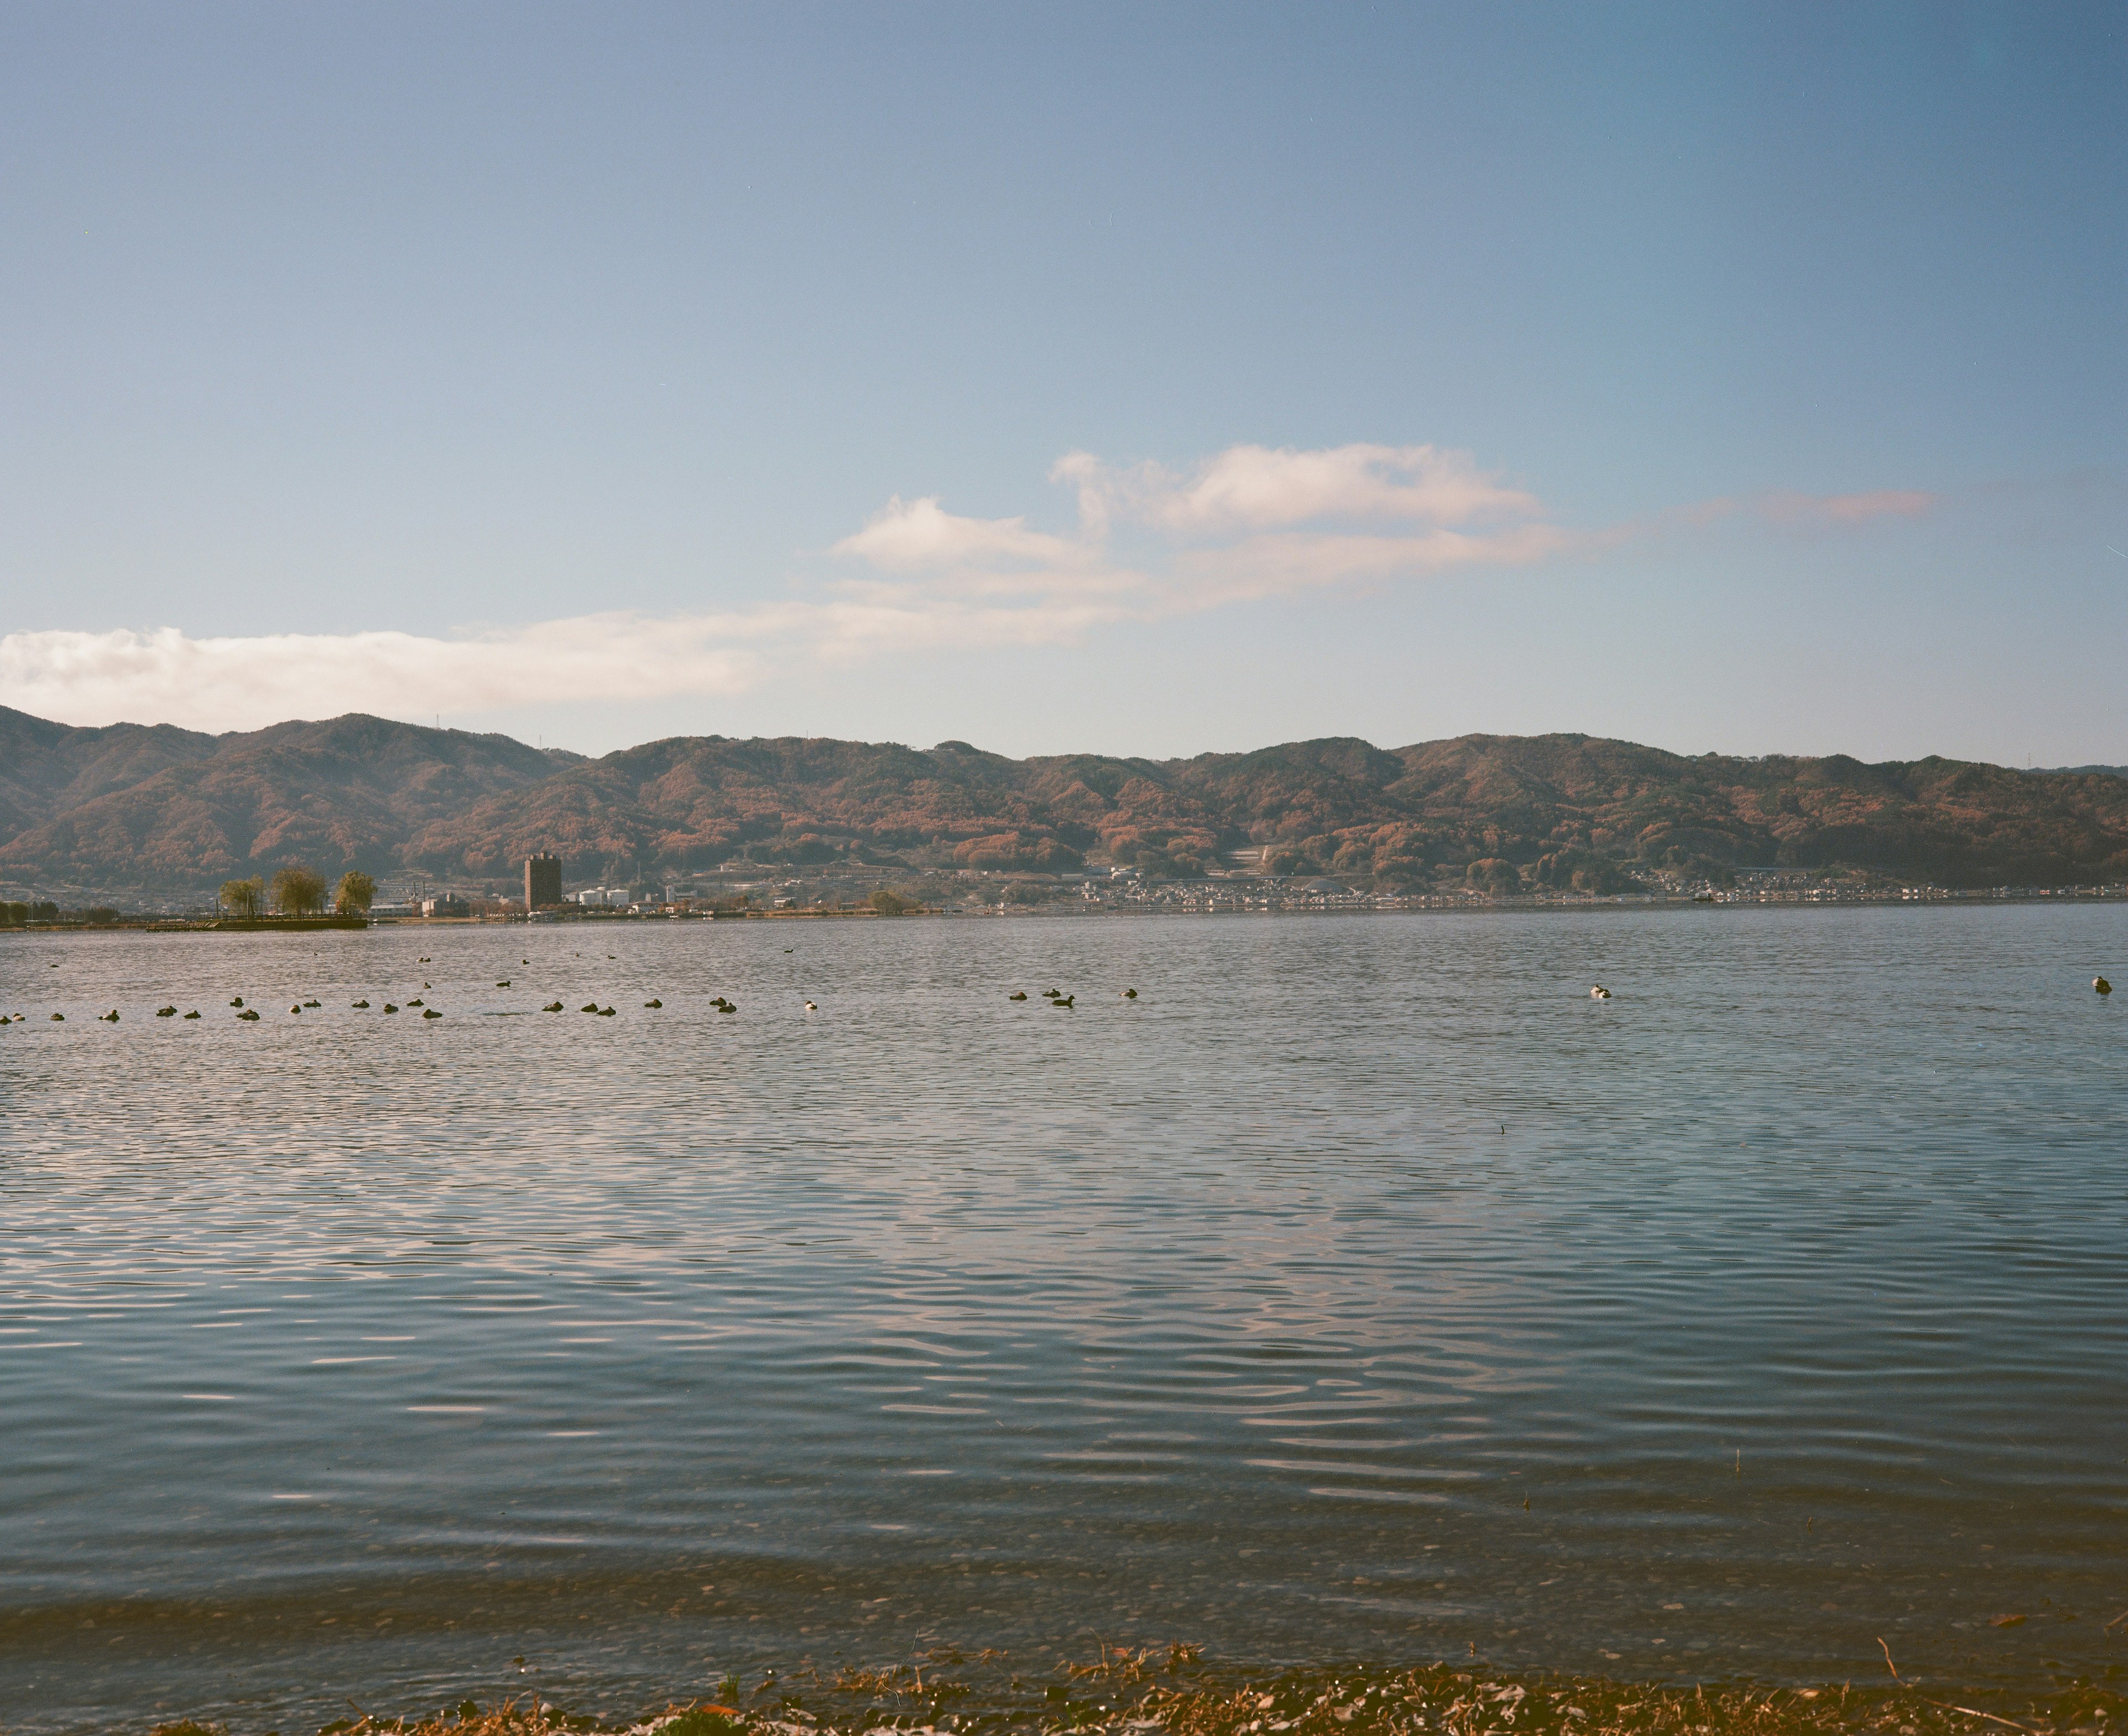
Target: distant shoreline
1065, 909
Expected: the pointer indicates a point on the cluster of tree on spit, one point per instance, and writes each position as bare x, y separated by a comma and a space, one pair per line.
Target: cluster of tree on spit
296, 891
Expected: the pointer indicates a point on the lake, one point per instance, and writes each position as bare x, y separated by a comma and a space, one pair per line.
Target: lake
1364, 1289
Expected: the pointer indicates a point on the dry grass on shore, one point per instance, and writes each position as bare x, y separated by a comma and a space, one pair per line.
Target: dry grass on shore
1138, 1694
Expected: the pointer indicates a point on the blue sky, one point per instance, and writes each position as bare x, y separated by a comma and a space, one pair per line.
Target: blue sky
1147, 379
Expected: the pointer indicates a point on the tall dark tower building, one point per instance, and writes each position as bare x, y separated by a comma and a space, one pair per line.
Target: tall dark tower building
543, 881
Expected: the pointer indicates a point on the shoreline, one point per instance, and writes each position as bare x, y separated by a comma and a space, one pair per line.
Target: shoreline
1215, 903
1170, 1689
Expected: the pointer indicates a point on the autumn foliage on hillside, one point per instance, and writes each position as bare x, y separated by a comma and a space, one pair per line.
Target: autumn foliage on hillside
129, 806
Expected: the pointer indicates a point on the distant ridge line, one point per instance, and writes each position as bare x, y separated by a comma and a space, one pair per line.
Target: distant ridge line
154, 806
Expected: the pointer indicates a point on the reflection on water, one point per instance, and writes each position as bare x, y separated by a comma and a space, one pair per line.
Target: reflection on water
1363, 1288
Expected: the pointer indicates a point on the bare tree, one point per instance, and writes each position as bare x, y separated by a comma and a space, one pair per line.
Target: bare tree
355, 894
298, 891
244, 898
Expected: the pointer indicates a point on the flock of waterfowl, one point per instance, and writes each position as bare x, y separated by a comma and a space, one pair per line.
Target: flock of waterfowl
721, 1003
1056, 998
250, 1015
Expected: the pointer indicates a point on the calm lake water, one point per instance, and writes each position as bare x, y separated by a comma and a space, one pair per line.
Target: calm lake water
1363, 1289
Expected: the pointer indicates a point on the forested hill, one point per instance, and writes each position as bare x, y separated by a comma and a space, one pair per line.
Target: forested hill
155, 807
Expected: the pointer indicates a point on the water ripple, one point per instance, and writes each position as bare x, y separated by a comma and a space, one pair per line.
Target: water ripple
1362, 1289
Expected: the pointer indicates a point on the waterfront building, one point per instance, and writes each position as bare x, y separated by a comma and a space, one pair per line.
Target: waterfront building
543, 880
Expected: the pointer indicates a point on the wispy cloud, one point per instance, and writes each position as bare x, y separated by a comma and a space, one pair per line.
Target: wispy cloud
1809, 511
1259, 488
1845, 509
240, 683
1249, 522
166, 676
1151, 543
1283, 562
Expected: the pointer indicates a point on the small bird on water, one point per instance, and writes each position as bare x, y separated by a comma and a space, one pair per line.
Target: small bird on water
2101, 985
1599, 992
810, 1008
1018, 994
1130, 994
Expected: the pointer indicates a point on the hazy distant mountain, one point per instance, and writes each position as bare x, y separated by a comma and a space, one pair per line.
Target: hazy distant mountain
161, 807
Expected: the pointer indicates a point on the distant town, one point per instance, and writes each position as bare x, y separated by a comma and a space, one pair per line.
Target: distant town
1243, 885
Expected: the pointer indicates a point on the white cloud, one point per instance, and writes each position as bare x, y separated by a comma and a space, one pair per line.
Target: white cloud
919, 536
165, 676
1248, 523
1287, 561
1258, 487
242, 683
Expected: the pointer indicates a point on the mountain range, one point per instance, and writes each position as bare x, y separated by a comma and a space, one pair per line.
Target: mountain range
153, 807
